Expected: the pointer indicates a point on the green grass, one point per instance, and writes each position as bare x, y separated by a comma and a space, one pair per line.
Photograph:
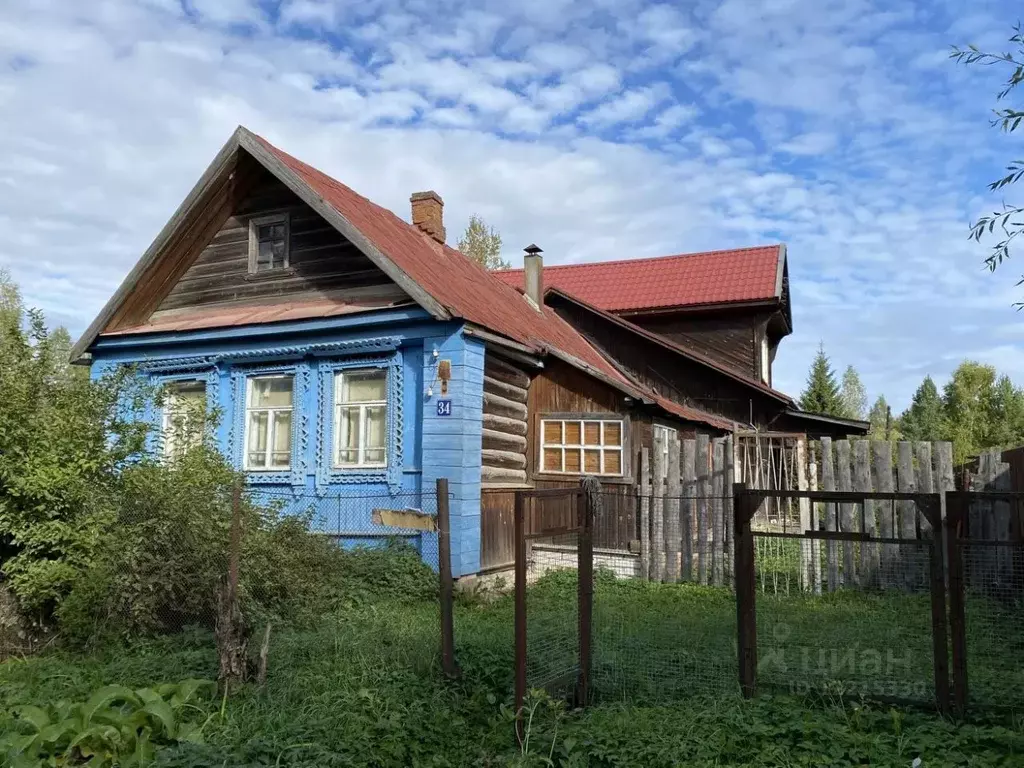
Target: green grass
364, 688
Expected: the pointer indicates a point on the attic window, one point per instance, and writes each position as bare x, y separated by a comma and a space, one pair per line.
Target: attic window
268, 243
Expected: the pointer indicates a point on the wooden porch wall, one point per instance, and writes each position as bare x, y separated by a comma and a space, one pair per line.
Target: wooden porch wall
506, 388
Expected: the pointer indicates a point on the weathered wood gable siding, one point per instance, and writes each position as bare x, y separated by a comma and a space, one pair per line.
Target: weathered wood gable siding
671, 375
506, 388
732, 339
322, 262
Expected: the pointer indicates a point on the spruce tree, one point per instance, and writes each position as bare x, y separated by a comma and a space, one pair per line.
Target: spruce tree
822, 392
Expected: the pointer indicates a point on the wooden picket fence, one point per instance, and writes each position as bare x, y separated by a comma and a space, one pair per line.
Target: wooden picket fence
686, 516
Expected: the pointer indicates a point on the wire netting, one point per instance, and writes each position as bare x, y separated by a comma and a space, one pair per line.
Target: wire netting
663, 635
994, 622
873, 640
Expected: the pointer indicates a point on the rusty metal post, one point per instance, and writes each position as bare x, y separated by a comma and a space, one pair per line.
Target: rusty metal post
520, 610
930, 506
746, 586
955, 513
588, 503
444, 569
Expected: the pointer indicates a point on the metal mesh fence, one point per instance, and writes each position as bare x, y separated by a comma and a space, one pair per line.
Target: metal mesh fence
874, 640
657, 642
993, 615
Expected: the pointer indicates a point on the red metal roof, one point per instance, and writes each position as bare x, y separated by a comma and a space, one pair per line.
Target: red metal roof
689, 279
460, 284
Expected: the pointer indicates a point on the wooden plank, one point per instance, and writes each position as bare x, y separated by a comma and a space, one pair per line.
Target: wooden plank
658, 507
717, 511
509, 391
828, 483
812, 472
502, 476
846, 512
868, 566
728, 512
881, 451
644, 490
689, 491
908, 567
703, 489
504, 459
503, 441
924, 479
673, 526
496, 423
500, 369
804, 507
501, 406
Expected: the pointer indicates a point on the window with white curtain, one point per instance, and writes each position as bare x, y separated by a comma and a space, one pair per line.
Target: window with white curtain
184, 416
268, 422
360, 418
766, 361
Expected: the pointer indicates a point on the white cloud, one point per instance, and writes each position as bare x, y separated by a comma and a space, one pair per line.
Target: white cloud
628, 107
600, 130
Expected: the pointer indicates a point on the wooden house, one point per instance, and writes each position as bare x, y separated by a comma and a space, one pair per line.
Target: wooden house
351, 351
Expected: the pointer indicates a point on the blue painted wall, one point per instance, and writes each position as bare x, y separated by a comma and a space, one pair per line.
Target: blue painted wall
422, 444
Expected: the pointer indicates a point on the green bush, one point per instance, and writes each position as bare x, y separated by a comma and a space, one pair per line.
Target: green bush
63, 441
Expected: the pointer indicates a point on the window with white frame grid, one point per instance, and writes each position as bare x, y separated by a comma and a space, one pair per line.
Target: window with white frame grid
666, 433
268, 422
184, 416
581, 446
360, 418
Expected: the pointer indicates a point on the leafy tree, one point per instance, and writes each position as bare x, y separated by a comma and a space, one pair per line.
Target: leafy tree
63, 440
822, 392
1010, 219
482, 243
968, 402
924, 419
853, 394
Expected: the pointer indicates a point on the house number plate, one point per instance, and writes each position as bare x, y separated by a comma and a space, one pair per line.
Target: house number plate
444, 407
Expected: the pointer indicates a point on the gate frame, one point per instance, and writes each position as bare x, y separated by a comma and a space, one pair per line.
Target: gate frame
957, 508
748, 500
584, 504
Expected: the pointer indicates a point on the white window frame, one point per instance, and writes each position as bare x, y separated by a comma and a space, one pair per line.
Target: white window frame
271, 424
254, 244
169, 448
339, 404
766, 361
601, 448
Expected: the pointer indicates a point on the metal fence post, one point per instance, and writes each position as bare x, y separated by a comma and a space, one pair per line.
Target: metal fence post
520, 611
955, 513
931, 507
444, 569
746, 585
588, 503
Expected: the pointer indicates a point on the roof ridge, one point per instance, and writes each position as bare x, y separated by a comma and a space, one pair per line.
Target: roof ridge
639, 259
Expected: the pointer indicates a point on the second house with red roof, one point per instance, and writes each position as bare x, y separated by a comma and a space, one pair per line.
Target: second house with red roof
355, 355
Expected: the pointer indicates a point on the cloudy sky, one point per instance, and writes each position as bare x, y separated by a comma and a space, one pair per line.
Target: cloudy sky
603, 129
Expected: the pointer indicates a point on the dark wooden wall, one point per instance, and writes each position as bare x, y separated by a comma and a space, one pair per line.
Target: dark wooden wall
732, 339
321, 261
673, 376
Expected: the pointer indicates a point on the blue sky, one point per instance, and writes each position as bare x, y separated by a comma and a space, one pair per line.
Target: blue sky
599, 130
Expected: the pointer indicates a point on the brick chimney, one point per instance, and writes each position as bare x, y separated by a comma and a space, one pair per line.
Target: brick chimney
428, 213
